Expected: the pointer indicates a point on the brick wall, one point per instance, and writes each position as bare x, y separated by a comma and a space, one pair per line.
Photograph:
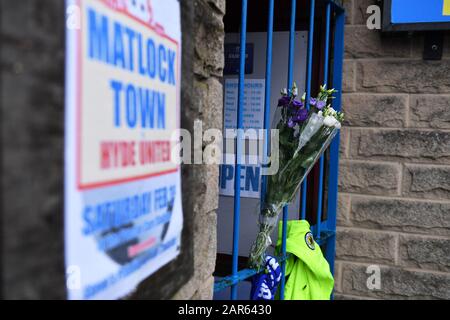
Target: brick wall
394, 202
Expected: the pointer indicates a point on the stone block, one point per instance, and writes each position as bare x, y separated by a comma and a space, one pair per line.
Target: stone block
430, 111
361, 42
403, 76
401, 145
428, 182
425, 253
369, 177
349, 74
403, 215
365, 246
373, 110
396, 283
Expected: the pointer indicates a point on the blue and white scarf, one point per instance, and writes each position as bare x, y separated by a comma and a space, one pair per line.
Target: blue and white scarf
265, 284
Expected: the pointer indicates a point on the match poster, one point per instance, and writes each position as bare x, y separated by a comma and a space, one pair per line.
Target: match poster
123, 213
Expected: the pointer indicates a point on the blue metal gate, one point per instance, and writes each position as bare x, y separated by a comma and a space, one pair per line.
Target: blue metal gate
325, 229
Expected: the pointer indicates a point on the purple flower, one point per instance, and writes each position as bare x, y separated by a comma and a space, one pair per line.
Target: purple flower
319, 104
284, 101
291, 123
297, 104
301, 115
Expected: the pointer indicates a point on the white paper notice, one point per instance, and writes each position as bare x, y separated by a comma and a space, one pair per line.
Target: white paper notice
123, 214
253, 116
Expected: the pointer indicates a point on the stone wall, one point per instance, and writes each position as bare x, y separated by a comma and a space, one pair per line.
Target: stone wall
394, 202
32, 152
32, 149
208, 62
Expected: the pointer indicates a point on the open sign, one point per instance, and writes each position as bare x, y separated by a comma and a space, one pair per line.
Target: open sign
250, 180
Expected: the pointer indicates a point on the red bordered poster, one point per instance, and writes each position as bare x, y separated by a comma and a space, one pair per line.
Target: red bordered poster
123, 215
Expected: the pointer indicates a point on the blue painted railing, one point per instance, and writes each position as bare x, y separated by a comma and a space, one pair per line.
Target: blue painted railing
324, 231
289, 85
325, 81
237, 168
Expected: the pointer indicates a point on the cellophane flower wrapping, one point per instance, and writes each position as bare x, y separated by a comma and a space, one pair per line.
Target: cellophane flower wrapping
303, 137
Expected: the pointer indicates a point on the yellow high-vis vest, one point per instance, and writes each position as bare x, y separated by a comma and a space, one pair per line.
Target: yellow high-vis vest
308, 275
446, 11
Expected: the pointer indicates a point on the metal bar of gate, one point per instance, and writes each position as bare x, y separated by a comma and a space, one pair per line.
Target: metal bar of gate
289, 85
308, 92
267, 94
325, 80
338, 58
239, 136
268, 82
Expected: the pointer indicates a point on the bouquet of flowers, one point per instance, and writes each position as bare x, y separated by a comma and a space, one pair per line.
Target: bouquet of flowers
304, 134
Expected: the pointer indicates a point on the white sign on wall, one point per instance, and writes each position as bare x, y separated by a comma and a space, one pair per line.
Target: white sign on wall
253, 116
123, 214
250, 176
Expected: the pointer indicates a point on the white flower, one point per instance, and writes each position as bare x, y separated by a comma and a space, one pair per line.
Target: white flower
320, 113
295, 91
314, 121
284, 91
338, 125
330, 121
